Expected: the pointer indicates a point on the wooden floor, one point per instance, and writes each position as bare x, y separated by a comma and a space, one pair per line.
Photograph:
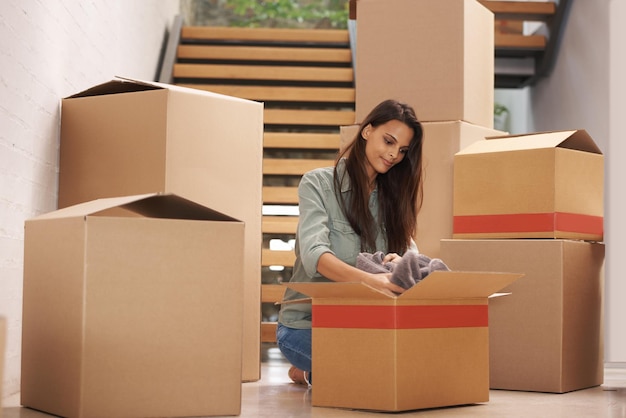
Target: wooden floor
275, 396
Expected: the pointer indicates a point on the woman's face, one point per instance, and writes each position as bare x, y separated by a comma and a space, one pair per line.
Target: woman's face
386, 145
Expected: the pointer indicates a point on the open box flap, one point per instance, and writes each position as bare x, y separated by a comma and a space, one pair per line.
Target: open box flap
171, 206
188, 90
460, 285
576, 139
93, 206
115, 86
151, 205
131, 85
437, 285
338, 290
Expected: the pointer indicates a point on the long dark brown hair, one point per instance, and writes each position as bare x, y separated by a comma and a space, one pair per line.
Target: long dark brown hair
399, 190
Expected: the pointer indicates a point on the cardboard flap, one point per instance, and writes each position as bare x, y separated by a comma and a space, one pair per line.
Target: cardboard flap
115, 86
148, 85
438, 285
581, 141
460, 285
93, 206
152, 205
337, 290
577, 140
174, 207
130, 85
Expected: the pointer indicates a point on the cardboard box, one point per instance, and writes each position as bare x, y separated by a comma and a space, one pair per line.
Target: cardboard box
442, 140
423, 349
541, 185
547, 335
435, 55
133, 308
129, 137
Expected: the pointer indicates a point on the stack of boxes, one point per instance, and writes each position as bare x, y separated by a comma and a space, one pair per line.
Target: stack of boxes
545, 336
142, 292
534, 204
439, 58
411, 351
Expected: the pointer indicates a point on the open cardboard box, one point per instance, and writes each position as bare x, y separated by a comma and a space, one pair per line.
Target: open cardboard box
541, 185
129, 137
133, 307
426, 348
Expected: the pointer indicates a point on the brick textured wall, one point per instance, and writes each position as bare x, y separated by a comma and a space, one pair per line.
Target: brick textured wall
50, 50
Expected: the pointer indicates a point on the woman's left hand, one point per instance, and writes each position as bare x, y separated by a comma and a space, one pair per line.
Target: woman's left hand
392, 257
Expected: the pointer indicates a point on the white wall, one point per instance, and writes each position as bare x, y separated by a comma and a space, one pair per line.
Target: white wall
518, 103
576, 95
616, 172
586, 90
49, 50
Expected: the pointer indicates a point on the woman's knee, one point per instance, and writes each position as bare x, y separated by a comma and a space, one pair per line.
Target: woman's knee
295, 344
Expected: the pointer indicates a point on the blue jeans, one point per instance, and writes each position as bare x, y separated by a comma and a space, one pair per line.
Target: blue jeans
295, 344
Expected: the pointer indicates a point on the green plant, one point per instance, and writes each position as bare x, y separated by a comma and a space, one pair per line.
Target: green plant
500, 109
500, 117
289, 13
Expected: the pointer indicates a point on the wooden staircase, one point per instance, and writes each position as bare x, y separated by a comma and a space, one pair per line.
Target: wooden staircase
305, 80
522, 60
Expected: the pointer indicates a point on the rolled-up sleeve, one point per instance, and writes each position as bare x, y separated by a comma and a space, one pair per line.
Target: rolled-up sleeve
313, 224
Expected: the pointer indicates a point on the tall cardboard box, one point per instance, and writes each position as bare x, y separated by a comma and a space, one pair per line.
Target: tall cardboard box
442, 140
435, 55
426, 348
547, 335
128, 137
133, 308
541, 185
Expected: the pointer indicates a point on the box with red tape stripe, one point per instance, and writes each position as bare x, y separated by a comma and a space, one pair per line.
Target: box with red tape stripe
539, 185
425, 348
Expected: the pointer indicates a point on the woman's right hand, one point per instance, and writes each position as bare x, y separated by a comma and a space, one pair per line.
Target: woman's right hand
382, 282
334, 269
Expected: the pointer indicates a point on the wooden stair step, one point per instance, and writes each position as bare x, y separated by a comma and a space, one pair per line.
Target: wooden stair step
200, 33
272, 292
268, 332
264, 72
280, 195
308, 117
279, 224
280, 93
277, 258
525, 42
301, 140
292, 166
265, 53
521, 10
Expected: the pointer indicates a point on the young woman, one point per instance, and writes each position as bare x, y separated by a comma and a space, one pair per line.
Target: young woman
367, 202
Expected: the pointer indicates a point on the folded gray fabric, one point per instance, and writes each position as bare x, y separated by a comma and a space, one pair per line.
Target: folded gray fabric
412, 268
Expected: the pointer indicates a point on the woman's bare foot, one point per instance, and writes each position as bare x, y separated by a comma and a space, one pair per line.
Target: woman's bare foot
298, 376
